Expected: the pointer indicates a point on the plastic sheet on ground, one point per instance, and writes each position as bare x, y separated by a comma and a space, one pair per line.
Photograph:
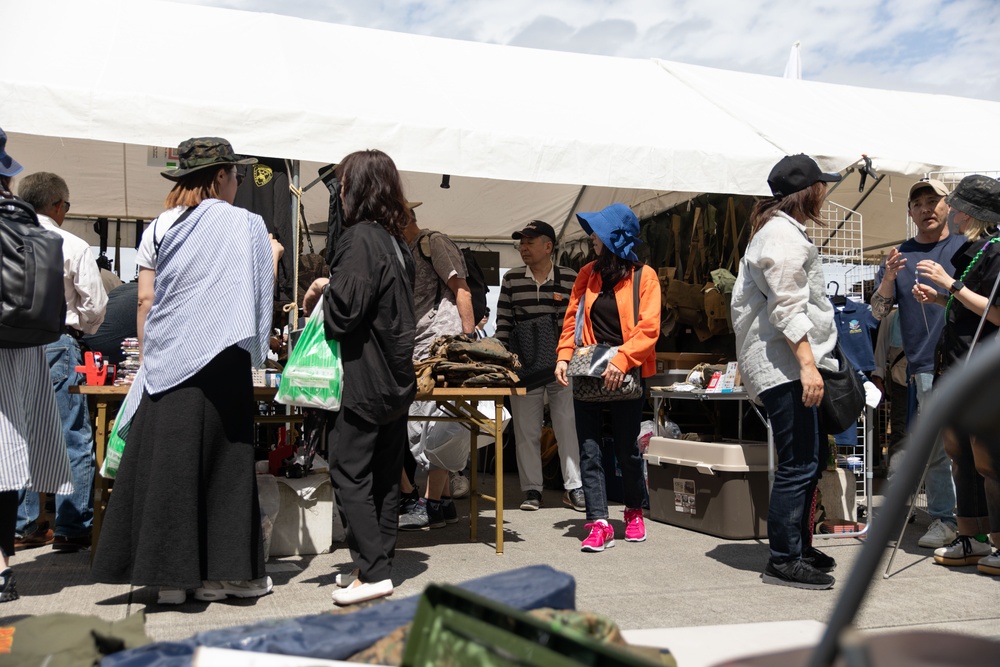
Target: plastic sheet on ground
339, 636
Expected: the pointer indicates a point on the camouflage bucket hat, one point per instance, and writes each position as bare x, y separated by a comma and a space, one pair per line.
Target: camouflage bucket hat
202, 152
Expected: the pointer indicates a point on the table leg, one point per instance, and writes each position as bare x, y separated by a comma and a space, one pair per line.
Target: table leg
474, 480
498, 428
100, 484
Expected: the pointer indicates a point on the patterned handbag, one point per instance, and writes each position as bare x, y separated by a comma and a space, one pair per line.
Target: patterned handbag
589, 362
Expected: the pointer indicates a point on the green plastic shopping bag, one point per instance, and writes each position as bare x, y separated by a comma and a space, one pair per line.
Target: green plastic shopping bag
115, 447
314, 374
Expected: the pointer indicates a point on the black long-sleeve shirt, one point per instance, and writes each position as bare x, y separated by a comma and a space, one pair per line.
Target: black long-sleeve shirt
368, 307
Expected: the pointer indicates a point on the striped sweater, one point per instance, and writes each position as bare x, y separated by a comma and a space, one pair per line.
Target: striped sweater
521, 298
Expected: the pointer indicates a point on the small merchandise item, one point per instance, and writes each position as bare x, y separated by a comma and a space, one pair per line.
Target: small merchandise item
588, 363
314, 374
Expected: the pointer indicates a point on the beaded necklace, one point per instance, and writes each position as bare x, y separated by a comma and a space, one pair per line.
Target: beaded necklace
965, 273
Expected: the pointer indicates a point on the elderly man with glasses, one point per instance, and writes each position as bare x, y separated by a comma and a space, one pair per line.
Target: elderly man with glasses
86, 302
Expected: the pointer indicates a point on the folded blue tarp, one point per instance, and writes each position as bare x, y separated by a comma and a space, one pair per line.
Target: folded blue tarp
337, 637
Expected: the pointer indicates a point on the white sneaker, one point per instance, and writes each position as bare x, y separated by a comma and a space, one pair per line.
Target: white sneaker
362, 592
345, 580
171, 595
459, 485
939, 534
964, 550
990, 564
218, 590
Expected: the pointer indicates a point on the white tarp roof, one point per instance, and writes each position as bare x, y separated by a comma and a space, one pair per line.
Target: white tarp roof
524, 133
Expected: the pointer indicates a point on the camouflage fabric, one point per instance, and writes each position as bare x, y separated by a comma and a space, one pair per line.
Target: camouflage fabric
200, 152
389, 650
461, 361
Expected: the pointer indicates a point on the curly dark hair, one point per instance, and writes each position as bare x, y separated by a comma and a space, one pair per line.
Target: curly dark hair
372, 190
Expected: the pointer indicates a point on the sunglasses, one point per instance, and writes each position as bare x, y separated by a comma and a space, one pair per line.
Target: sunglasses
240, 175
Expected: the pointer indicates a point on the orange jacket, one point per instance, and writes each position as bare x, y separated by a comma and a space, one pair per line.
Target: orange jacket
640, 340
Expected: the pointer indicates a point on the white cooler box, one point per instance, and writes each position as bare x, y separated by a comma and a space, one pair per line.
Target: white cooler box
712, 487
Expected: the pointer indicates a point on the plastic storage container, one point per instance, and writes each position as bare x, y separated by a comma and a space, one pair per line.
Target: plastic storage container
719, 488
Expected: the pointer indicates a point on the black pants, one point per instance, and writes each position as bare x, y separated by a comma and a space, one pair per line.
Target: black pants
8, 518
365, 463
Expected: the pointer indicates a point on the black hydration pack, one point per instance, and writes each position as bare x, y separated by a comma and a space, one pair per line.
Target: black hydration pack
32, 297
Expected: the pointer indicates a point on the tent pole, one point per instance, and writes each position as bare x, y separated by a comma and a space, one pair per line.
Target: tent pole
293, 315
576, 202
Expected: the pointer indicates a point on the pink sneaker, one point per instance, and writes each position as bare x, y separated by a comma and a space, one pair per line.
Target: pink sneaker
635, 527
602, 536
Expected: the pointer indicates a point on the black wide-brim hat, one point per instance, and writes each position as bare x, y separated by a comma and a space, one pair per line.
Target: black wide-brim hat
203, 152
978, 196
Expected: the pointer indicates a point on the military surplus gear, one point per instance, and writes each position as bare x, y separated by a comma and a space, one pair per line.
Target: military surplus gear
201, 152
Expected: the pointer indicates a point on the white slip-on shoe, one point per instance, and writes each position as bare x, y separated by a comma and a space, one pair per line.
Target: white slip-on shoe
211, 591
171, 595
345, 580
362, 592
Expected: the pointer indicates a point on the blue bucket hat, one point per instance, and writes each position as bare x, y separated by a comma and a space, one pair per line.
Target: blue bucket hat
616, 226
8, 165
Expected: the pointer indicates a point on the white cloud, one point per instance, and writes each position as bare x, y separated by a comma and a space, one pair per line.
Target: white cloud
945, 46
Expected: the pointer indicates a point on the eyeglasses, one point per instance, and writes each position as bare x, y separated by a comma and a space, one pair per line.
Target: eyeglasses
63, 203
239, 177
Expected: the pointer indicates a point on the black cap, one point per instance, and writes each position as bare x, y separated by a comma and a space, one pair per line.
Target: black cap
796, 172
536, 228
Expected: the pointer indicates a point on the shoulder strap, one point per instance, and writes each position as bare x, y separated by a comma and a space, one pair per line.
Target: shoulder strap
636, 276
182, 218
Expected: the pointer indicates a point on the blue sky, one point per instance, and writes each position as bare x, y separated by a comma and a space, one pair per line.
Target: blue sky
916, 45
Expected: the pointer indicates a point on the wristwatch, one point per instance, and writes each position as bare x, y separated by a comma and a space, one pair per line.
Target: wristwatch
956, 287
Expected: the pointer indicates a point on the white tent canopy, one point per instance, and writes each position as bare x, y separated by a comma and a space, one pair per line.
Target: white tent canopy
524, 133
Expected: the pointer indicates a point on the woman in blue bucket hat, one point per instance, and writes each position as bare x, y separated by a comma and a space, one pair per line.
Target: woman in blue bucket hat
612, 312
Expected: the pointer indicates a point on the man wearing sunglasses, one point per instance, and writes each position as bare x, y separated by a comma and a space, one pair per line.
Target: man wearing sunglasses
86, 302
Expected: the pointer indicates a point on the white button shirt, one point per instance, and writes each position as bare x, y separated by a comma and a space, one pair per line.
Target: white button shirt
86, 299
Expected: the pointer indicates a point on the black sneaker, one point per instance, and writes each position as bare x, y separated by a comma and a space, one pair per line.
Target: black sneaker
574, 499
435, 514
8, 589
818, 559
416, 518
797, 574
532, 501
449, 510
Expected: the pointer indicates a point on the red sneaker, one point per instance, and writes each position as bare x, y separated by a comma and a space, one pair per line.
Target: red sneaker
635, 527
602, 536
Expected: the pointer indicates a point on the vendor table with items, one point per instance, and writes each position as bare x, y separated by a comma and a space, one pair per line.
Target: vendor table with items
461, 403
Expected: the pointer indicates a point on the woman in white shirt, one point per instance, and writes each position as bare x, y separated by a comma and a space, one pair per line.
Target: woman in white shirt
784, 332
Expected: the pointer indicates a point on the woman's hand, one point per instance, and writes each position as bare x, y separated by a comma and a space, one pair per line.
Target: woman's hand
561, 367
313, 294
276, 248
812, 386
930, 271
924, 293
613, 377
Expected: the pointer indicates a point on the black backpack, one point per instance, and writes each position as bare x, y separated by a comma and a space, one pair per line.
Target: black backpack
476, 279
32, 297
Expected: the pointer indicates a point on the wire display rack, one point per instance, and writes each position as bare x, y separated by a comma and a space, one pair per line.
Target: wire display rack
839, 237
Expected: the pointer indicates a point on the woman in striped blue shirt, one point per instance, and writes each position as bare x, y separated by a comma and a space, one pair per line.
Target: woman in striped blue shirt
185, 514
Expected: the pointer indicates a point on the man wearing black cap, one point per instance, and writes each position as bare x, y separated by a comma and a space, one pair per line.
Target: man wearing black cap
530, 312
920, 327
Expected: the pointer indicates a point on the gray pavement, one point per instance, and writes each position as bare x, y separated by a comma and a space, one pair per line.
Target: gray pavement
677, 578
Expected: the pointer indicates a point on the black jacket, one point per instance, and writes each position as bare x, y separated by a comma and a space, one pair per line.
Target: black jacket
368, 307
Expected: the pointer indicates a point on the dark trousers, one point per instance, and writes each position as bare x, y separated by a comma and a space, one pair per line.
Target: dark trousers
975, 466
626, 418
797, 444
8, 518
365, 463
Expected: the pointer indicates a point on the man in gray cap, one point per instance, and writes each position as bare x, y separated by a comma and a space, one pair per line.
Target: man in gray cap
530, 310
920, 327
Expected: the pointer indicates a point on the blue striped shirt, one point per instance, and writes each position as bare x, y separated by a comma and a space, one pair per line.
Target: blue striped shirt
213, 289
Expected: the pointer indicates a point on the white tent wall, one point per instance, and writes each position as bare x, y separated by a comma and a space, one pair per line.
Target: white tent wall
524, 133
